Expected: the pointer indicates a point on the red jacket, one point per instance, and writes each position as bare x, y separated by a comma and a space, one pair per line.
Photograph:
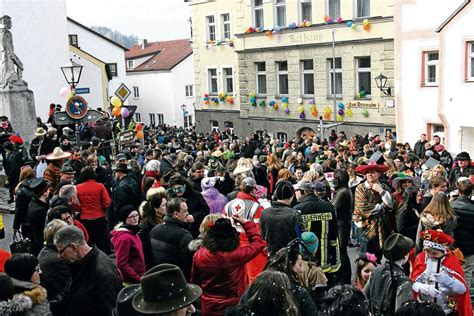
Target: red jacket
129, 255
94, 199
84, 230
221, 275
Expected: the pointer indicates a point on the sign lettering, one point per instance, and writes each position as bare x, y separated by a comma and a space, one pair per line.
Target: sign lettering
363, 104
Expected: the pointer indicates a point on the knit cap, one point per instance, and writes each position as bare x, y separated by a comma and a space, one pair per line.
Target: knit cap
311, 242
284, 190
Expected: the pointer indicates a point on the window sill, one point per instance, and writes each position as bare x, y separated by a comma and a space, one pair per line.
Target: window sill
264, 96
469, 80
338, 97
308, 96
366, 98
429, 86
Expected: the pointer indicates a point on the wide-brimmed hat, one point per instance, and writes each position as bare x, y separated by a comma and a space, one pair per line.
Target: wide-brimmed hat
124, 306
243, 165
436, 239
397, 246
122, 167
222, 228
463, 155
164, 289
57, 154
67, 169
402, 176
40, 131
304, 185
371, 166
217, 154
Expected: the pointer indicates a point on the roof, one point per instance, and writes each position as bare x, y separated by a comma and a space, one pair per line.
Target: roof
451, 17
96, 33
164, 55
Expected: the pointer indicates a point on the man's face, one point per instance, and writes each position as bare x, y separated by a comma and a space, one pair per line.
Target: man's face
76, 155
423, 137
463, 163
183, 213
68, 178
199, 174
298, 194
437, 140
372, 176
299, 174
68, 252
66, 142
443, 187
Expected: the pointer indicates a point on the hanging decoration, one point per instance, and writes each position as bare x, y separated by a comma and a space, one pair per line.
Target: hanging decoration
221, 96
284, 104
65, 91
271, 103
221, 43
327, 113
214, 101
314, 110
229, 99
253, 99
261, 103
366, 25
349, 112
205, 98
301, 111
116, 102
116, 111
349, 24
365, 113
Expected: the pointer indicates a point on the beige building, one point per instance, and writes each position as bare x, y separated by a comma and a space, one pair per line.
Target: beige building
283, 62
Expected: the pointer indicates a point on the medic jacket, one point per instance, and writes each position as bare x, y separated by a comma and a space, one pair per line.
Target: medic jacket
319, 217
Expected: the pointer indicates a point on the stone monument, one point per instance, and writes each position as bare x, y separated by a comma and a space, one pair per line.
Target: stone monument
16, 101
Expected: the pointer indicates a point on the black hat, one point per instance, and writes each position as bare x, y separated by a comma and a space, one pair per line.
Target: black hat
38, 186
8, 145
223, 228
67, 169
95, 141
284, 190
6, 287
3, 118
397, 246
164, 289
125, 211
463, 155
124, 301
122, 167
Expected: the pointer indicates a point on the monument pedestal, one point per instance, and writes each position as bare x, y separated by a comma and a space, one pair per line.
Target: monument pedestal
18, 104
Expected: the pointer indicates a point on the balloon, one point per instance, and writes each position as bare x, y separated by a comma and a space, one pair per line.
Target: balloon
299, 100
302, 115
365, 113
354, 26
339, 20
268, 33
341, 105
366, 27
339, 118
327, 116
327, 110
365, 22
70, 95
116, 101
287, 111
125, 112
277, 28
140, 134
340, 112
271, 103
311, 101
349, 112
116, 111
64, 91
300, 109
314, 111
206, 102
139, 127
358, 96
261, 103
363, 94
308, 24
349, 23
284, 100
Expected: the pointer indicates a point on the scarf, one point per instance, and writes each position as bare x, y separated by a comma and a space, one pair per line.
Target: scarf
133, 228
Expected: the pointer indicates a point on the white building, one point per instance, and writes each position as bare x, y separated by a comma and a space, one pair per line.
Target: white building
161, 77
103, 61
434, 71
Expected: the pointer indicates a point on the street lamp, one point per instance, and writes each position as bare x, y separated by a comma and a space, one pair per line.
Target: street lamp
72, 73
183, 108
381, 81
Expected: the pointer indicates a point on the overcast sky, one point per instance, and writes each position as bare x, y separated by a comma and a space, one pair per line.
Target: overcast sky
153, 20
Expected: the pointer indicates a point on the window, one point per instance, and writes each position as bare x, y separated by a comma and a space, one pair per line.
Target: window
258, 13
112, 69
431, 68
138, 117
261, 78
130, 64
226, 30
161, 119
188, 121
334, 8
280, 12
305, 10
152, 118
73, 40
282, 137
136, 92
214, 126
229, 126
282, 78
212, 81
211, 28
337, 71
470, 61
228, 77
189, 90
363, 8
363, 76
307, 77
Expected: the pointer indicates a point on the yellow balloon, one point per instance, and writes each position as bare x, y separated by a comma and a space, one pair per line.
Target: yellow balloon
340, 118
301, 109
349, 112
116, 101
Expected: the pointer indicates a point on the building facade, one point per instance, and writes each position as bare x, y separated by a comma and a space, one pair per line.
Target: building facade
436, 97
161, 78
281, 56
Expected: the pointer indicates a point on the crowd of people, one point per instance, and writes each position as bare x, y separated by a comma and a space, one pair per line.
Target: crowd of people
181, 222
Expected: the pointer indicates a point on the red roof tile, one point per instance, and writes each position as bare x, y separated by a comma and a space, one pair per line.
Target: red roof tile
163, 55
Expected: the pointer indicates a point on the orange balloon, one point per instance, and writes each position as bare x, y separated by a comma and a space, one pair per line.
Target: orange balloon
116, 111
140, 134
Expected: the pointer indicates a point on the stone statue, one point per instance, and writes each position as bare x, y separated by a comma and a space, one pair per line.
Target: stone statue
11, 68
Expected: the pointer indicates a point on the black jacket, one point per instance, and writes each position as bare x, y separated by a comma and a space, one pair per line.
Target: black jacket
280, 224
464, 232
94, 286
169, 244
125, 193
37, 149
419, 148
197, 207
22, 201
407, 222
37, 211
165, 166
456, 173
12, 166
144, 235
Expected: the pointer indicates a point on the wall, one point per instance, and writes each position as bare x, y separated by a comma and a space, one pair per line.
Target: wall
182, 74
41, 42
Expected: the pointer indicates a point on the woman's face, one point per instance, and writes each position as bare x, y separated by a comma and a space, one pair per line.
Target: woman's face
297, 267
161, 211
367, 271
133, 218
35, 278
67, 218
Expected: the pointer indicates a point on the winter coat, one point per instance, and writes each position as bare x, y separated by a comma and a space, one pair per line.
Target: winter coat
40, 148
29, 302
197, 207
128, 254
94, 199
456, 173
12, 166
55, 274
125, 193
280, 224
343, 201
419, 148
427, 221
165, 166
221, 275
215, 200
169, 244
22, 202
144, 235
407, 222
37, 211
94, 286
464, 233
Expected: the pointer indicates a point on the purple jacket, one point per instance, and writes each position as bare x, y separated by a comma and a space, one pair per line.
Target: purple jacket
215, 200
129, 255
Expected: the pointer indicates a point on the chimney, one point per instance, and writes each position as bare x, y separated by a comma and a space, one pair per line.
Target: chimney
143, 43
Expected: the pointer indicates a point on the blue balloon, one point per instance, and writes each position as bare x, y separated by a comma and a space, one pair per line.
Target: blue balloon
349, 23
340, 105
